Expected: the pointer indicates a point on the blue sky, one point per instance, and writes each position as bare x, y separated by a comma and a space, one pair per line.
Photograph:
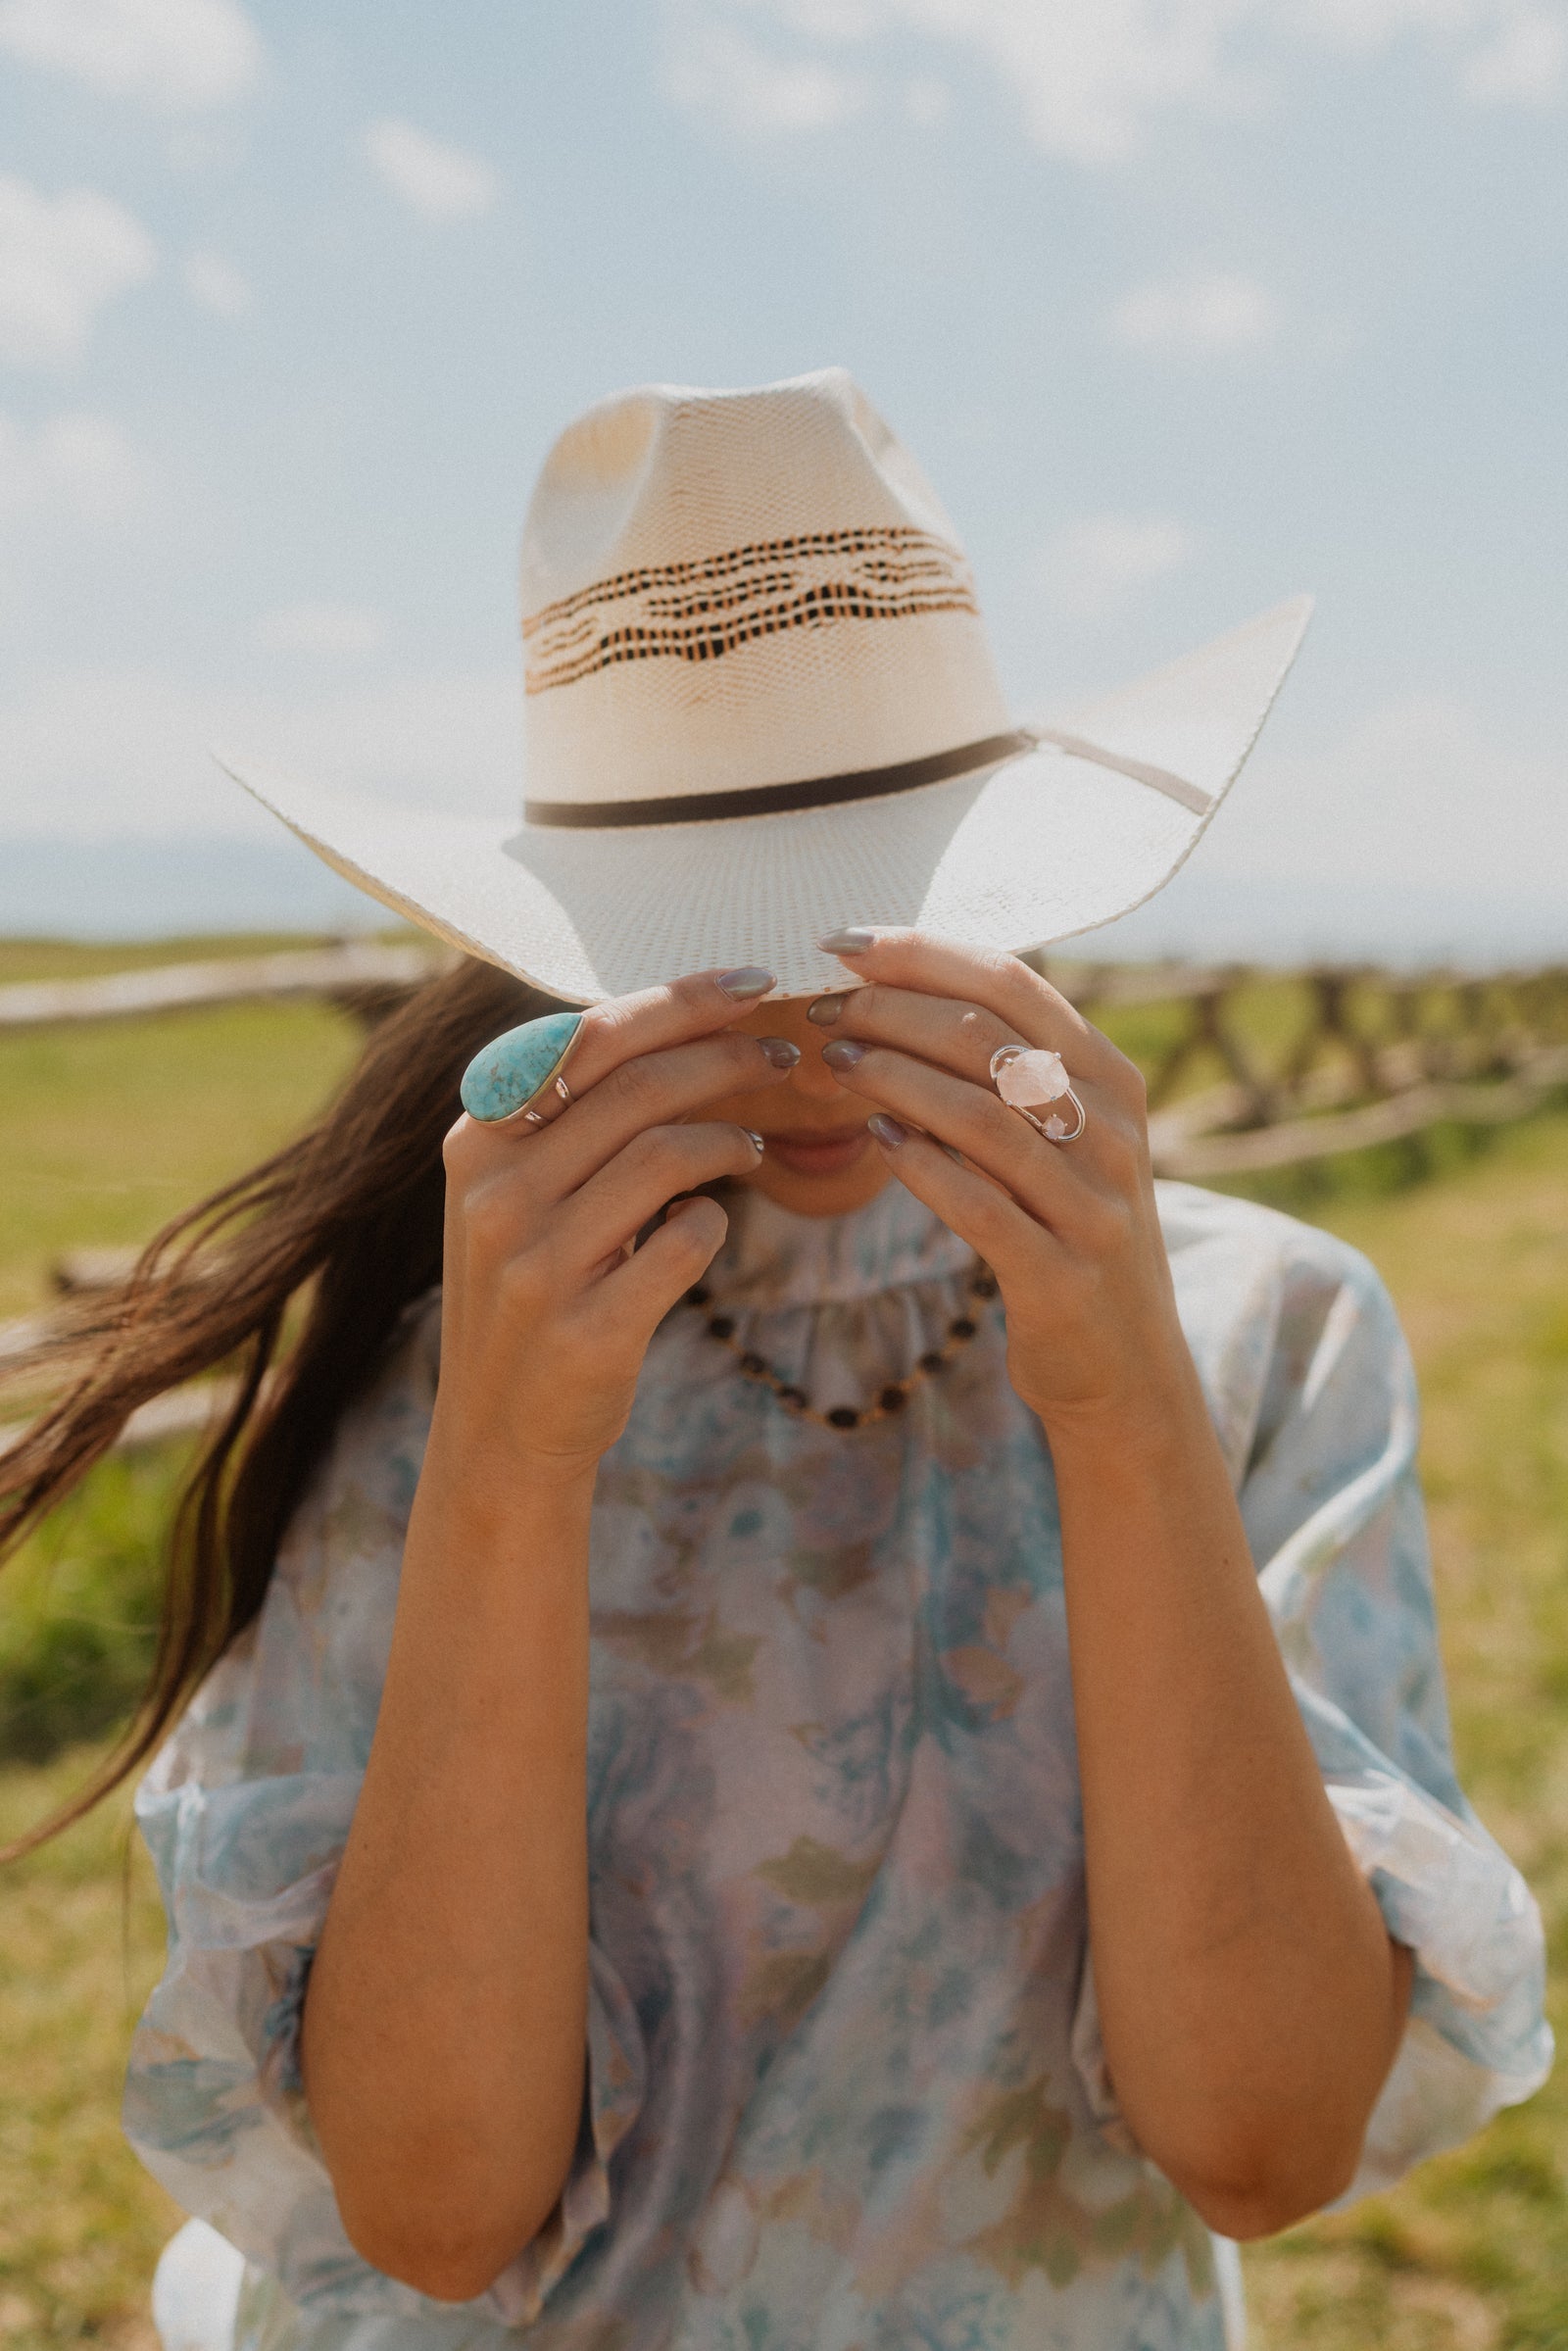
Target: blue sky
1184, 303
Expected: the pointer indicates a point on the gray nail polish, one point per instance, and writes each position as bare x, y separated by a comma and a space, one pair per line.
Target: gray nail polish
753, 1136
888, 1130
780, 1051
748, 980
850, 942
843, 1052
825, 1011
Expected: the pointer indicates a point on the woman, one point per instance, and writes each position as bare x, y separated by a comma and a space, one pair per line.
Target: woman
867, 1765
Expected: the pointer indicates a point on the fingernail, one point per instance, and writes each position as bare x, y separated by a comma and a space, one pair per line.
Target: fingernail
852, 942
825, 1009
842, 1053
888, 1130
753, 1136
780, 1051
750, 980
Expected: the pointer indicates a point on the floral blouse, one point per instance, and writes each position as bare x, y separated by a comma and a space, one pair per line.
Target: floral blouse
844, 2083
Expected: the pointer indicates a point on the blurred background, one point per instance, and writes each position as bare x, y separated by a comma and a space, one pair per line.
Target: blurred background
1185, 305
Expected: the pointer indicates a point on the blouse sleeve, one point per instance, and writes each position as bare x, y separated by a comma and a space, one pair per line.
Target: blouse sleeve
1312, 1393
246, 1812
1333, 1513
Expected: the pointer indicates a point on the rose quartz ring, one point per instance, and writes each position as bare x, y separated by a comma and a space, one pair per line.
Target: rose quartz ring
1029, 1079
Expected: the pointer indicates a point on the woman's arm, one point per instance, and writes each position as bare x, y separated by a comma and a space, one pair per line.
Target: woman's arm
1251, 2000
444, 2045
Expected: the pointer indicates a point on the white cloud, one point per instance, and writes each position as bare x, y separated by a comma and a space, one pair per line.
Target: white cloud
75, 466
178, 54
89, 753
323, 628
218, 285
1196, 315
717, 74
61, 259
1100, 562
437, 182
1091, 77
1527, 65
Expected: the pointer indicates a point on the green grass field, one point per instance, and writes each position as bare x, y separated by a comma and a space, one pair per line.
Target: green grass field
103, 1132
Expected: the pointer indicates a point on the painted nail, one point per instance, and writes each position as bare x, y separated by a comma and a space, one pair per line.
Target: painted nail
852, 942
888, 1130
825, 1009
780, 1051
750, 980
752, 1136
842, 1053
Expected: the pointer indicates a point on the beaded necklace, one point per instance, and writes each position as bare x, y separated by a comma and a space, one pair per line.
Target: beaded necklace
982, 1283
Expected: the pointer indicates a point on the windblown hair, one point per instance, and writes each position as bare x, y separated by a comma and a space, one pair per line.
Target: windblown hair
347, 1220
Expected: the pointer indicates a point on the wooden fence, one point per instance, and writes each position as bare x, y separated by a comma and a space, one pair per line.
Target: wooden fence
1260, 1070
1249, 1070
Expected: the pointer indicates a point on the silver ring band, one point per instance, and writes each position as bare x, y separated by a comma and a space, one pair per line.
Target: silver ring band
536, 1118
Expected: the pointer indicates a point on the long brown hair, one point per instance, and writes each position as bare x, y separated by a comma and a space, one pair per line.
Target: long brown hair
347, 1220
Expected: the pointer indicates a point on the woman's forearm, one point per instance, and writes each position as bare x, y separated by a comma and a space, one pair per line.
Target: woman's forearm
444, 2040
1251, 1999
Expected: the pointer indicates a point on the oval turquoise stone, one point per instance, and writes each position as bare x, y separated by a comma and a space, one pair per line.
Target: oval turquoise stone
504, 1074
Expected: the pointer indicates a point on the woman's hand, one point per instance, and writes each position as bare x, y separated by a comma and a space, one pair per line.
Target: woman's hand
546, 1316
1250, 1996
1070, 1230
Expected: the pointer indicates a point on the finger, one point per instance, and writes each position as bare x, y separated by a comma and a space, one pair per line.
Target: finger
608, 1032
1007, 988
968, 1204
639, 1294
653, 1090
611, 1209
655, 1017
1055, 1183
940, 1029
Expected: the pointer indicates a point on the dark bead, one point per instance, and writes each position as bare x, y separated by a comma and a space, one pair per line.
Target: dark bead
983, 1285
894, 1399
844, 1416
933, 1361
721, 1326
698, 1296
754, 1367
962, 1326
794, 1398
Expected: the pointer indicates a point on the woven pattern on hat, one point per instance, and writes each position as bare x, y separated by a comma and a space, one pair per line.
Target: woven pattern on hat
700, 610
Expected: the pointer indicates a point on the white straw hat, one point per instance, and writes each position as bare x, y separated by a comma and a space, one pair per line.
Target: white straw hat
761, 704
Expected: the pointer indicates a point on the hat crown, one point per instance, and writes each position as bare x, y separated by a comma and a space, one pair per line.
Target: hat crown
668, 464
728, 590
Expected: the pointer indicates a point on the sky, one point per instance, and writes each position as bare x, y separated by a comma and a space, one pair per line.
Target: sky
1185, 305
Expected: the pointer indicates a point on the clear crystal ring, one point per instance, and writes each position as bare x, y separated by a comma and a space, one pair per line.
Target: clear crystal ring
1029, 1080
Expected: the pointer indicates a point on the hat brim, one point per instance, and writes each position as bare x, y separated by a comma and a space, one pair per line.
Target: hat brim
1015, 857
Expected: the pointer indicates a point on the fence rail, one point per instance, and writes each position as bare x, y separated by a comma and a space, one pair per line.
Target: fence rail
1333, 1058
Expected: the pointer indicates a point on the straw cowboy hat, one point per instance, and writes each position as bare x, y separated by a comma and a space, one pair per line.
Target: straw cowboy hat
759, 705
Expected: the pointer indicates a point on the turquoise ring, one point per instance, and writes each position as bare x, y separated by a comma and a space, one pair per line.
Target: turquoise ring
512, 1075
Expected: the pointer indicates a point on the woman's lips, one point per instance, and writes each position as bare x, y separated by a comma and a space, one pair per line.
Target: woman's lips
807, 1151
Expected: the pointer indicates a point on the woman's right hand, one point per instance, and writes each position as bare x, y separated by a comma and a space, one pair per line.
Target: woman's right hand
545, 1316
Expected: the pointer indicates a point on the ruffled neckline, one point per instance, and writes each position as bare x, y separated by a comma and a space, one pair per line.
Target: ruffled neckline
774, 1258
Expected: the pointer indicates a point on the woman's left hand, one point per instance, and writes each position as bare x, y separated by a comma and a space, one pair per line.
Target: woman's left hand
1069, 1229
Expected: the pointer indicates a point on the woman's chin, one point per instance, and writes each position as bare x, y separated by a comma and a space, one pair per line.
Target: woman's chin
821, 1175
